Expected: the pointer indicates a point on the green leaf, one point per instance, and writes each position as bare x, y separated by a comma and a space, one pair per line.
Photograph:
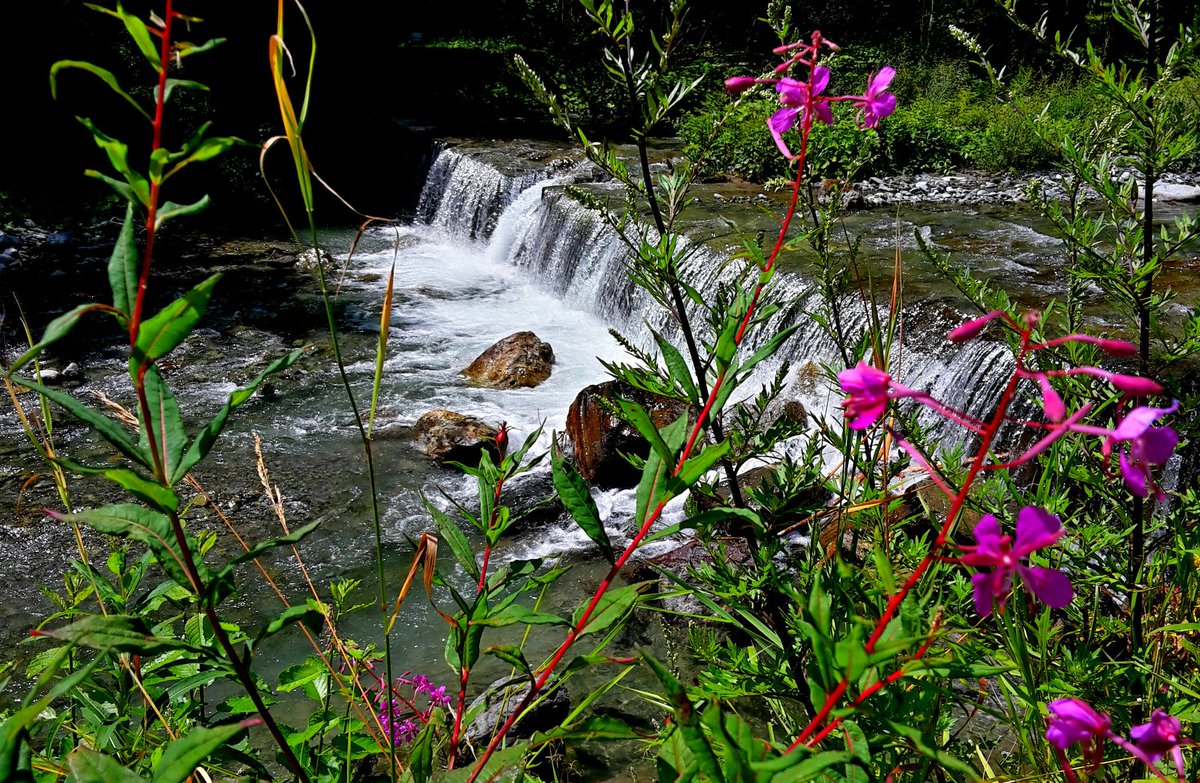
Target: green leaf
161, 498
182, 756
675, 762
99, 423
148, 527
186, 84
171, 210
123, 266
449, 531
56, 330
636, 415
122, 188
301, 613
104, 76
118, 155
573, 491
88, 766
700, 464
927, 747
706, 520
596, 727
311, 675
769, 348
678, 368
810, 768
125, 633
203, 442
505, 766
511, 655
655, 486
611, 609
160, 335
518, 613
165, 422
420, 755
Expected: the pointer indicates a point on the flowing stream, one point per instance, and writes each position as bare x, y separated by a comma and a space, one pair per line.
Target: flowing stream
498, 246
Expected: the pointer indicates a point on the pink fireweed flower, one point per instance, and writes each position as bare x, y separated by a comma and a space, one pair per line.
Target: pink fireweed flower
1133, 385
868, 390
1036, 529
1052, 404
1072, 721
1158, 737
875, 104
1148, 447
798, 98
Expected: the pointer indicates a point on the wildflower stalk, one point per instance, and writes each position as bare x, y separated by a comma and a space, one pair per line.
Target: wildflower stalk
653, 515
810, 735
240, 664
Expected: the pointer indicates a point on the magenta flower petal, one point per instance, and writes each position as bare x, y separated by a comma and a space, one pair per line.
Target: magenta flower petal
1036, 528
991, 588
1158, 737
1140, 419
792, 93
1049, 586
820, 80
1136, 476
880, 81
991, 543
779, 122
1052, 404
823, 112
1157, 445
1072, 721
867, 388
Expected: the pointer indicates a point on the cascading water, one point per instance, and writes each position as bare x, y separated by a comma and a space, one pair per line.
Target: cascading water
571, 251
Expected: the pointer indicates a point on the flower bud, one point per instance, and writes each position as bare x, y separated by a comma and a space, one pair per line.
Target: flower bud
1118, 347
1135, 385
971, 329
736, 84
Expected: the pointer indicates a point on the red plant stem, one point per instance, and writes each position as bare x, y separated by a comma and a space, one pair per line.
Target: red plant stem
654, 515
465, 672
152, 207
893, 604
879, 685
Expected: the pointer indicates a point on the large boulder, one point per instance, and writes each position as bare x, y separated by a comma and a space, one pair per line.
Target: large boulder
446, 436
599, 437
498, 702
518, 361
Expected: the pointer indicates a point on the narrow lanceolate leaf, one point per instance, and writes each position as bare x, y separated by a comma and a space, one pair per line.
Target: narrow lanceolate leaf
182, 756
656, 485
118, 155
104, 76
200, 445
100, 424
123, 266
769, 348
385, 323
166, 423
511, 655
573, 491
162, 498
451, 533
56, 330
171, 210
613, 607
703, 462
293, 614
636, 415
161, 334
148, 527
89, 766
420, 756
678, 368
124, 633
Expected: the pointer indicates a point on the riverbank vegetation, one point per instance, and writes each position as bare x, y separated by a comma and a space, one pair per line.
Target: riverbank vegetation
912, 589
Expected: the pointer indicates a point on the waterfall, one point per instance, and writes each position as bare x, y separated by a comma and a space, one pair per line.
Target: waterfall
570, 250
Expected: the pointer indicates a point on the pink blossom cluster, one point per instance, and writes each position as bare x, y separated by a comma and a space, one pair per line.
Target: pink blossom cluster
804, 101
399, 716
1073, 721
1141, 447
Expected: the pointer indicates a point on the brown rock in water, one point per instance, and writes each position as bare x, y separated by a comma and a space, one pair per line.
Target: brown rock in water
598, 437
446, 436
519, 360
